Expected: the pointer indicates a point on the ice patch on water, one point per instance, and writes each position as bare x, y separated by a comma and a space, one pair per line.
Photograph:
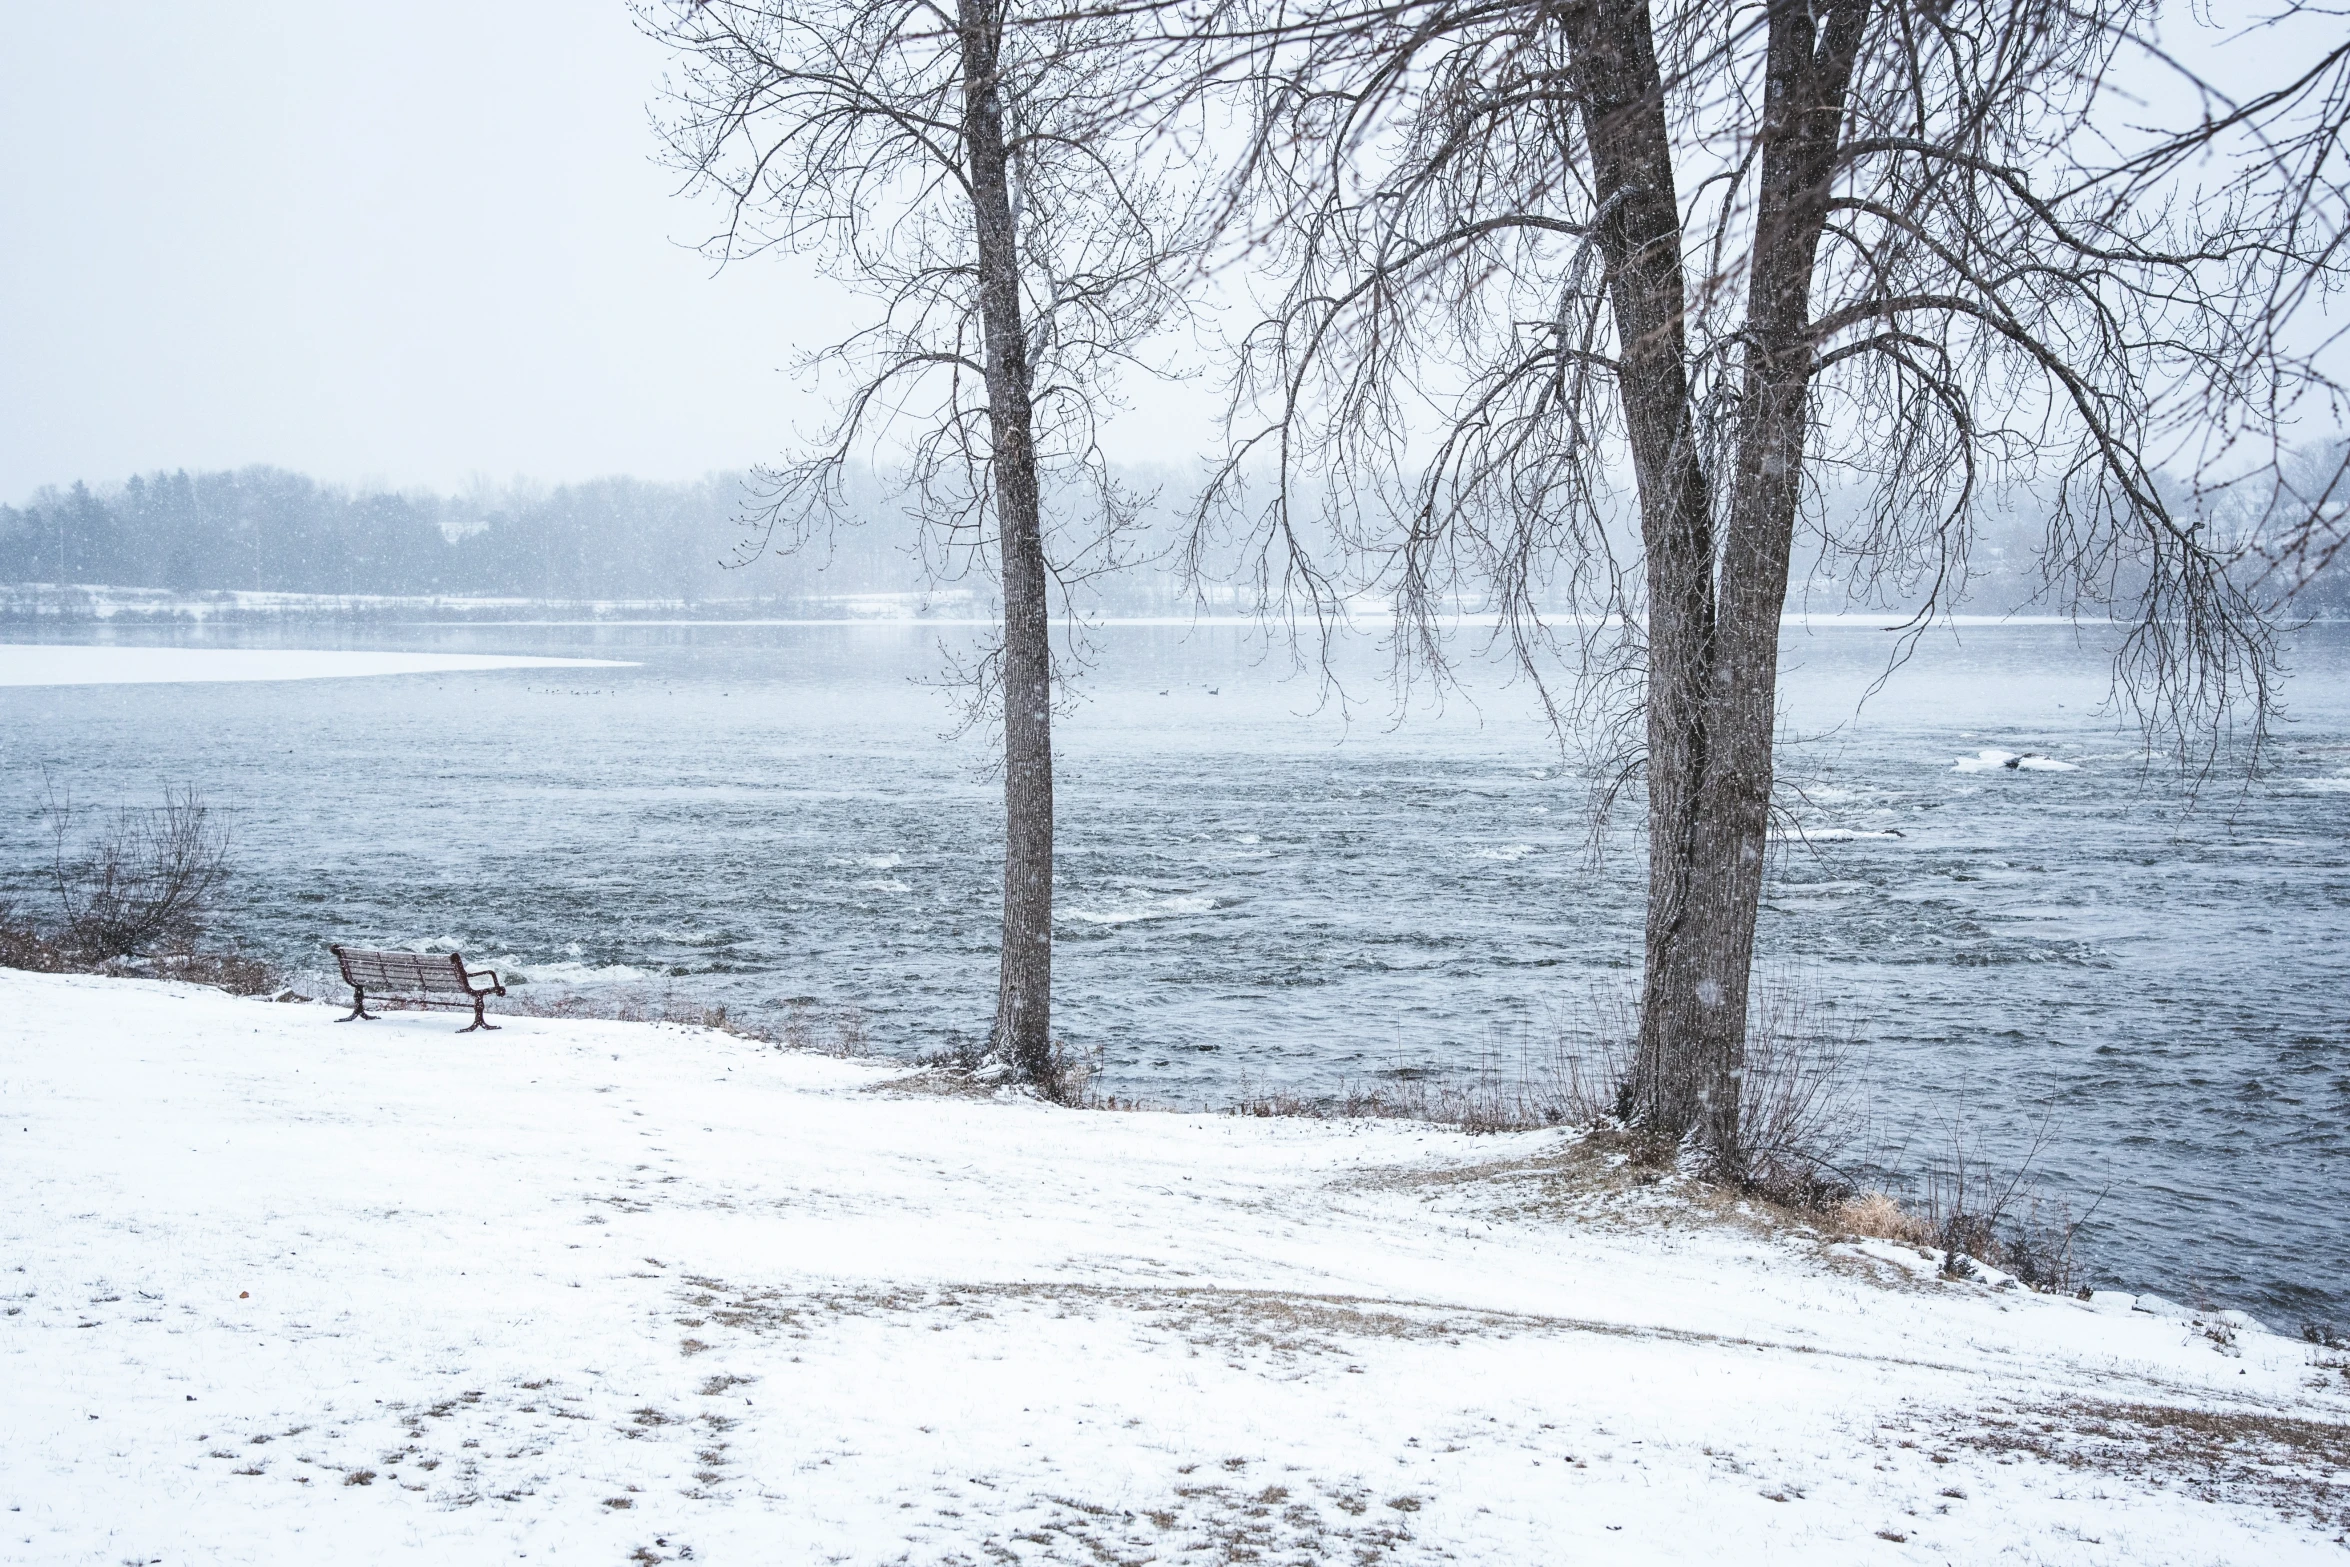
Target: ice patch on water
515, 971
1246, 837
1992, 759
1139, 905
1829, 834
1820, 889
1508, 853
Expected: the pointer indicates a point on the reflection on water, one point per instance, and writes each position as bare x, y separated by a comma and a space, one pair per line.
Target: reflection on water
1253, 892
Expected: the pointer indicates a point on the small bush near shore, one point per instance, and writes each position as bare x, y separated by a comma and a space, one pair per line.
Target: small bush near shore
23, 946
143, 882
135, 900
2013, 1229
133, 897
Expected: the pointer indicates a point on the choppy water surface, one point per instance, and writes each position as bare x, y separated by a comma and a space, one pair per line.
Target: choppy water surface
1253, 894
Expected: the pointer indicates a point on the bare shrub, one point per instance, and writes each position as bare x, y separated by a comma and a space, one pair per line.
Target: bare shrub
1800, 1112
133, 898
826, 1031
961, 1053
1980, 1214
1068, 1073
144, 883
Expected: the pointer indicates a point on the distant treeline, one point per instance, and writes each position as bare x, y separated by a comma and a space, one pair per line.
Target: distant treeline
268, 530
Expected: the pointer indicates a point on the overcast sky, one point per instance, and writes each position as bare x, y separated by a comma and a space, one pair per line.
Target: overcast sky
404, 243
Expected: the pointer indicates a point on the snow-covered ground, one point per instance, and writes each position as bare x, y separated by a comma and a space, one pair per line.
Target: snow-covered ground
57, 664
285, 1290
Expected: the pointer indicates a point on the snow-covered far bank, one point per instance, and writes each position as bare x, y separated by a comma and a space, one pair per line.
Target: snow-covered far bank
48, 664
278, 1289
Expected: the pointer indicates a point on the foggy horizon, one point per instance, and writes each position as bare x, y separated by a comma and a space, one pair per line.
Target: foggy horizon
419, 249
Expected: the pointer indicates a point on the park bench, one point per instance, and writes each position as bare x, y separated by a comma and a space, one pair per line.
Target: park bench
420, 979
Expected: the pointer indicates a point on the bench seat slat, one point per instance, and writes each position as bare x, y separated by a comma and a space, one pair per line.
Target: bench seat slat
428, 976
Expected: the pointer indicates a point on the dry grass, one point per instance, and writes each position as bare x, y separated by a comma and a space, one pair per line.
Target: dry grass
2329, 1356
2300, 1467
1799, 1114
1880, 1216
233, 972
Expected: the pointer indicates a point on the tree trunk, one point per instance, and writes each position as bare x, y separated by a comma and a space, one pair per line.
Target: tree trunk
1704, 987
1023, 1017
1713, 646
1613, 65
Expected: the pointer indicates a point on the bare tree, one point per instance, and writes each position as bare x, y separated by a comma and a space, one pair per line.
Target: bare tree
2294, 526
1918, 251
961, 165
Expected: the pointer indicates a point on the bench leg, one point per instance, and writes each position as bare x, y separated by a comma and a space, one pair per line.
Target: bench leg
358, 1007
478, 1020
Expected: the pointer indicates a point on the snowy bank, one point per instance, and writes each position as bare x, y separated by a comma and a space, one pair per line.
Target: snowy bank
278, 1289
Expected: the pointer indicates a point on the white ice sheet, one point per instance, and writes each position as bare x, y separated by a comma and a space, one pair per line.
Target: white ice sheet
23, 664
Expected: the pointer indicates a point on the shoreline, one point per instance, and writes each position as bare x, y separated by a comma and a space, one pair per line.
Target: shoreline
596, 1290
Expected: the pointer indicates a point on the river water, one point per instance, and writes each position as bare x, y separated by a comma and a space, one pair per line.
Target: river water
1257, 890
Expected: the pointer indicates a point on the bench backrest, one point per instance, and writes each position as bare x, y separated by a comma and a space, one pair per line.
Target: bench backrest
388, 973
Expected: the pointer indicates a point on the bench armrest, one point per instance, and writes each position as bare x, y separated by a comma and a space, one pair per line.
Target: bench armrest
489, 974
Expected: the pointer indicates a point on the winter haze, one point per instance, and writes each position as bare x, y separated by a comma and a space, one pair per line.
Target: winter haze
398, 246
